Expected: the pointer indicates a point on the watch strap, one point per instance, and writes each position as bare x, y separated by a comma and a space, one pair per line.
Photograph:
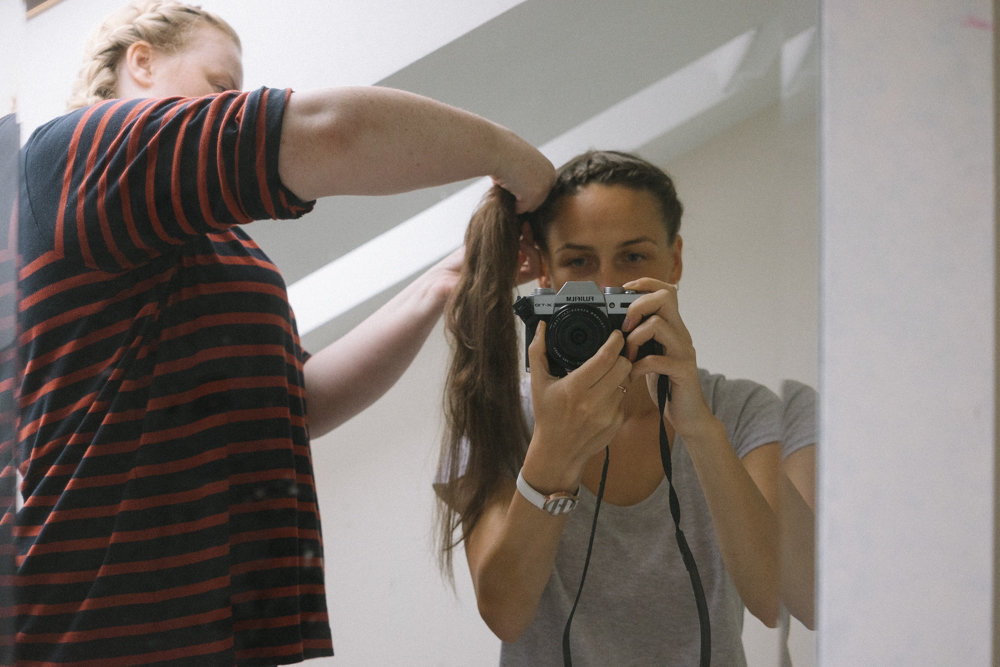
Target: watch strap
556, 503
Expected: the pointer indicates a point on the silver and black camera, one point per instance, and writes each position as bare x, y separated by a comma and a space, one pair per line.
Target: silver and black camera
579, 319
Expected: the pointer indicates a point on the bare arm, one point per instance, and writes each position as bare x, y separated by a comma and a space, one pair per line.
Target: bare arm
741, 497
512, 549
798, 534
800, 468
511, 553
372, 140
353, 372
741, 494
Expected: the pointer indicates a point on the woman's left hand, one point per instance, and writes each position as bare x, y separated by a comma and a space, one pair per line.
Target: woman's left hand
443, 276
656, 316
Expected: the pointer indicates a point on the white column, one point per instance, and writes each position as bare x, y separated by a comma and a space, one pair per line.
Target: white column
909, 313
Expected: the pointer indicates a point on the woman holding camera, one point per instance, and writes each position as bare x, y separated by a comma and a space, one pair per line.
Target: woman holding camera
513, 468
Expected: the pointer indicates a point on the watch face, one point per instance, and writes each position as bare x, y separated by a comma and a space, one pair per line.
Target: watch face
559, 503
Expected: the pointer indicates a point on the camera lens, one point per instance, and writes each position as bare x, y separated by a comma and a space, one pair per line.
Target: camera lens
575, 333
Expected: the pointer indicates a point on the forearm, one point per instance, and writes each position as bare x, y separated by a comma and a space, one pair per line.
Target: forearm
798, 533
798, 554
371, 140
353, 372
745, 522
511, 553
512, 549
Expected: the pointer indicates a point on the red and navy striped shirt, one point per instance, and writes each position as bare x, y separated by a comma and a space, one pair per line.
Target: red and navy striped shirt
169, 510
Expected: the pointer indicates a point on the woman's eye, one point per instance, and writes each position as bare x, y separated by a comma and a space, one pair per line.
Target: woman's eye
634, 257
576, 262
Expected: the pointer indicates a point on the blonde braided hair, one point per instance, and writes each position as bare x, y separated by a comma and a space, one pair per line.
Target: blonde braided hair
165, 24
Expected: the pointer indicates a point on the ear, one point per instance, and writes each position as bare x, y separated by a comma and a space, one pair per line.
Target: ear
544, 278
138, 64
529, 258
540, 263
678, 263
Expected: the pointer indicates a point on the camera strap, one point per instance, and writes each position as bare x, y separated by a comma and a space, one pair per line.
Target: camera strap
567, 658
663, 395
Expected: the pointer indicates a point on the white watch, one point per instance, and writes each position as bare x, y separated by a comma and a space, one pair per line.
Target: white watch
556, 503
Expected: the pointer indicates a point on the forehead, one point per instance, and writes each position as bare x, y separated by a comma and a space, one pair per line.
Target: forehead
600, 213
213, 47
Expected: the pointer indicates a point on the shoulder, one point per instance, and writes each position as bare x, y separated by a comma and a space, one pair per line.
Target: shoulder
60, 130
722, 390
750, 411
798, 416
83, 130
111, 116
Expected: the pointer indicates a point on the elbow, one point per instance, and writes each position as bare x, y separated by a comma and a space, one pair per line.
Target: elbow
808, 620
502, 615
505, 630
768, 618
799, 599
805, 613
767, 611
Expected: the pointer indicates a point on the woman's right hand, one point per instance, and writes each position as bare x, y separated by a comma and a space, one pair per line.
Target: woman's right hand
576, 416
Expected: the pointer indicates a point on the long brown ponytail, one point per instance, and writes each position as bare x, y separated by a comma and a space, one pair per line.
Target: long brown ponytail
486, 433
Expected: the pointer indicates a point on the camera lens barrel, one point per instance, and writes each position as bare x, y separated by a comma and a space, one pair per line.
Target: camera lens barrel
574, 334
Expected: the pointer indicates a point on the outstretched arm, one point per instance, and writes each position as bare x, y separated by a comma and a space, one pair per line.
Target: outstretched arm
353, 372
373, 140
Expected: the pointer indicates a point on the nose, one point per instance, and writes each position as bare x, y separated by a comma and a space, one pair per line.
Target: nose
610, 278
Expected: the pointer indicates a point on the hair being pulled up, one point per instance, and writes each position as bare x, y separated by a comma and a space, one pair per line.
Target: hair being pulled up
486, 433
165, 24
482, 384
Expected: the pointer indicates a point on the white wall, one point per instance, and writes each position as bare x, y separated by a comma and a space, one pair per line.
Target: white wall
908, 387
11, 40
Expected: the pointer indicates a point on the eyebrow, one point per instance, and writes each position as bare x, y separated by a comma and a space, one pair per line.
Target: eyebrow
623, 244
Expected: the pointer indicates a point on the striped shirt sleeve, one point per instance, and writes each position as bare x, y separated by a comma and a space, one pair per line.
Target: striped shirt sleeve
136, 178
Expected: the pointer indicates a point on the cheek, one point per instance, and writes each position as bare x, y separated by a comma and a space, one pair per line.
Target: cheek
190, 80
